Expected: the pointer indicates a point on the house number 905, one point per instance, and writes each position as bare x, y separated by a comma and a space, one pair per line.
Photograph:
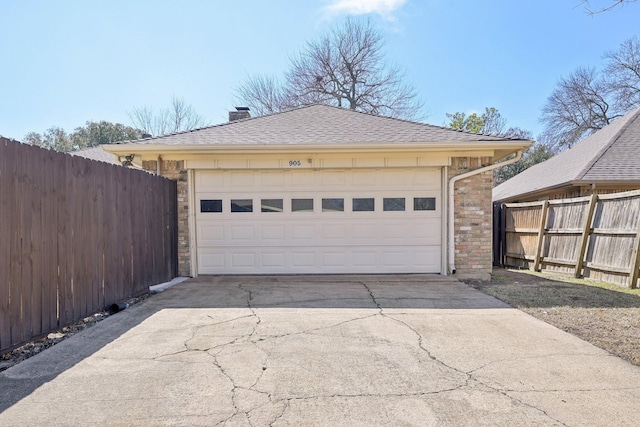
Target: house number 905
295, 163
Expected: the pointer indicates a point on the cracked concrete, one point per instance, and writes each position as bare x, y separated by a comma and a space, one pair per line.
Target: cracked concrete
321, 350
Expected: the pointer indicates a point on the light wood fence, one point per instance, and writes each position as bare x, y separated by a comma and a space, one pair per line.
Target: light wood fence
76, 236
596, 237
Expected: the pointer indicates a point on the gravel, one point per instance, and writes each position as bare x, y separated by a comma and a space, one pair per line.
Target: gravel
34, 347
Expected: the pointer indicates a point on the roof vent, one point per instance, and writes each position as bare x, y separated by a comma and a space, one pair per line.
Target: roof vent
239, 114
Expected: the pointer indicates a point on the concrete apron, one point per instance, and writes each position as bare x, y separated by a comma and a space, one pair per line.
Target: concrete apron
332, 350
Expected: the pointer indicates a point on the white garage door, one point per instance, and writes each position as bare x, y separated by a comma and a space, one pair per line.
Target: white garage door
323, 221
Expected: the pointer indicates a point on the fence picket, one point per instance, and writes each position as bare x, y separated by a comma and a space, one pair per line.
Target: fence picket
596, 237
68, 227
540, 238
586, 232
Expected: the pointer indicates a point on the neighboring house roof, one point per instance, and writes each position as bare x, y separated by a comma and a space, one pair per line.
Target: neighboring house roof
318, 124
97, 153
612, 154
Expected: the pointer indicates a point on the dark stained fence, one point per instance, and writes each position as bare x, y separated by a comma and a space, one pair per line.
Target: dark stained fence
596, 237
76, 236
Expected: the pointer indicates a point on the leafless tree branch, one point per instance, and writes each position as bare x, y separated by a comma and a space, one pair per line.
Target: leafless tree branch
178, 117
608, 6
345, 68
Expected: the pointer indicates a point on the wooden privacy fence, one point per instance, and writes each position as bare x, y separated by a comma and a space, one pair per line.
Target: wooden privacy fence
596, 237
76, 235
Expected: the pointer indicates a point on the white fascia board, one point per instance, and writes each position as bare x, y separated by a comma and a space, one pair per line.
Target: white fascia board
456, 147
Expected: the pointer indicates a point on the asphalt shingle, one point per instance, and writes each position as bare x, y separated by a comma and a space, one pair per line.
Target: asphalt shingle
318, 124
611, 154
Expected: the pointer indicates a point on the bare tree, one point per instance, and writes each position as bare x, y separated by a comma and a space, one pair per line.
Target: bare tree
346, 68
263, 95
179, 117
580, 105
608, 5
623, 74
587, 100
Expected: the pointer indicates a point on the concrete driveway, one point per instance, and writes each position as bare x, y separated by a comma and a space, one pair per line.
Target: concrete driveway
333, 350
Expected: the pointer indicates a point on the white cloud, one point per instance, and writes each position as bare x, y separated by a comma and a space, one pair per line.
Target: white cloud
384, 8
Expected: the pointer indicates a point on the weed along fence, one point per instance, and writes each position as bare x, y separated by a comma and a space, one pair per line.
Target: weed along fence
76, 236
596, 237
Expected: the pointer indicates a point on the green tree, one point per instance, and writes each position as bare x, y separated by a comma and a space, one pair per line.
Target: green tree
90, 135
537, 153
54, 138
490, 122
102, 132
344, 67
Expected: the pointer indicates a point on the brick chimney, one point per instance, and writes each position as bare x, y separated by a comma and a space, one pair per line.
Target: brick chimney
239, 114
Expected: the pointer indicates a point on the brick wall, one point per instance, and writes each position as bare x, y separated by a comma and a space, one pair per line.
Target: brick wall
175, 170
473, 218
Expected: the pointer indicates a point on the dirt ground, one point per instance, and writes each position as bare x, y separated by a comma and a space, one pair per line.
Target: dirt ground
605, 315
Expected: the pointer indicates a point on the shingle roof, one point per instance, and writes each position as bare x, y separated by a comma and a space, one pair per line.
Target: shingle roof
318, 124
611, 154
96, 153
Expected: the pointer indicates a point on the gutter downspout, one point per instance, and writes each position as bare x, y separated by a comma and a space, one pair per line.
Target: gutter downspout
451, 211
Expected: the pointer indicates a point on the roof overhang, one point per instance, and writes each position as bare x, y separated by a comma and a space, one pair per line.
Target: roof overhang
541, 192
495, 149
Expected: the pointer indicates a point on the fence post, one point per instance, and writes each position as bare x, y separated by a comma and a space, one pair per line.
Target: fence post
635, 258
586, 233
543, 224
503, 234
497, 235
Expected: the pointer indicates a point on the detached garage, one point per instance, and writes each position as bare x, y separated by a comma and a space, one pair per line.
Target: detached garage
324, 190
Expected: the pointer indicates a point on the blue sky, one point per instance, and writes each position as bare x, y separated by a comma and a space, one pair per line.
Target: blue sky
66, 62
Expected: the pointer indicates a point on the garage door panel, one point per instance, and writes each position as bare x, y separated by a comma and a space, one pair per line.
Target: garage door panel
270, 259
273, 234
333, 233
334, 258
365, 259
210, 260
242, 180
242, 233
303, 232
210, 234
304, 260
271, 179
360, 232
243, 260
336, 179
318, 242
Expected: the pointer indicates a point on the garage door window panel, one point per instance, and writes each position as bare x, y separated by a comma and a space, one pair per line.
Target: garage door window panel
424, 204
301, 205
363, 204
271, 205
210, 206
333, 205
241, 205
393, 204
